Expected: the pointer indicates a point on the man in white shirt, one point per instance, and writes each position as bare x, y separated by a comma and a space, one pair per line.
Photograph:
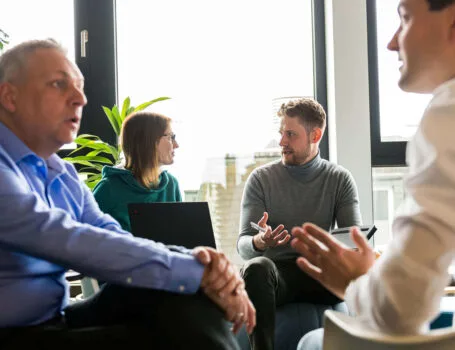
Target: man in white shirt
401, 292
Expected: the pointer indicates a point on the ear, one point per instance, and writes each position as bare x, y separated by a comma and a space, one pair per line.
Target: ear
8, 94
316, 135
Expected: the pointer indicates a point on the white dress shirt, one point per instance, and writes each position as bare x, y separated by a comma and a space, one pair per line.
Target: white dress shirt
403, 290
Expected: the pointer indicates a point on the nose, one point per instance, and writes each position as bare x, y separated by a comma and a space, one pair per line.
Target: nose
175, 143
393, 43
282, 141
79, 98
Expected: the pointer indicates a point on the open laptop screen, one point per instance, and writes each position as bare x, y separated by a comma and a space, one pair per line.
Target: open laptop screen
186, 224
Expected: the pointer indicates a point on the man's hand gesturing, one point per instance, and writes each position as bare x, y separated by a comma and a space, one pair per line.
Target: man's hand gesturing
269, 239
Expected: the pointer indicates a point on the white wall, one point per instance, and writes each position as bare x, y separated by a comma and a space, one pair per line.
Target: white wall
348, 96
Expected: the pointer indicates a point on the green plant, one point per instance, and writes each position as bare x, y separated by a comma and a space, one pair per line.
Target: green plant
96, 152
3, 39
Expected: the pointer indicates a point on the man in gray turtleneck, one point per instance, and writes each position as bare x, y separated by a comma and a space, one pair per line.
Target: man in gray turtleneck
301, 187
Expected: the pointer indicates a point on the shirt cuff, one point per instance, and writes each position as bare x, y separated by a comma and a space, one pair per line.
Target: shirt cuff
186, 274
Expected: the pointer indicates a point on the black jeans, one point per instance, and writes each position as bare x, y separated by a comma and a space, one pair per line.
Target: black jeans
132, 317
273, 283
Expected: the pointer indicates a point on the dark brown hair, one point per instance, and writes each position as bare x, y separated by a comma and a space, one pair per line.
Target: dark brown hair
437, 5
141, 132
309, 111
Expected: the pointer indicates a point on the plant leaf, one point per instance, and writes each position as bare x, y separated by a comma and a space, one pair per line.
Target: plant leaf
112, 119
91, 184
116, 115
81, 162
89, 173
97, 159
92, 180
89, 169
94, 177
95, 145
114, 152
94, 153
125, 108
146, 104
129, 111
87, 136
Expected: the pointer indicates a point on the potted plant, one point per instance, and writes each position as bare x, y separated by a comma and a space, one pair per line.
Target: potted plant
98, 153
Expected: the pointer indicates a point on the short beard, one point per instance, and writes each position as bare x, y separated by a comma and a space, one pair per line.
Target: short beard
293, 161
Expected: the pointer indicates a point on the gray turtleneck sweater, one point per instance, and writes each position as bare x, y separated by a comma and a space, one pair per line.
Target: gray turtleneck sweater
319, 191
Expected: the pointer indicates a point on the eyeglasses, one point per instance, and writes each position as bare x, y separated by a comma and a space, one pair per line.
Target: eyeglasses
170, 136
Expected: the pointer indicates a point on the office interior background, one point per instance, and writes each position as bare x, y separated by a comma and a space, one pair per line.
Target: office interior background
228, 66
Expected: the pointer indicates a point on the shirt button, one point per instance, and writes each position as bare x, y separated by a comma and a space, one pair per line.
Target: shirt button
182, 288
39, 163
129, 280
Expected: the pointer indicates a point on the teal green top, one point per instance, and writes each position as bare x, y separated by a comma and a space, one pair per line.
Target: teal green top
118, 188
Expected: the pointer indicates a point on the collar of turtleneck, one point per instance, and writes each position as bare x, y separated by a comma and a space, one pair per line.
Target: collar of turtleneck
306, 172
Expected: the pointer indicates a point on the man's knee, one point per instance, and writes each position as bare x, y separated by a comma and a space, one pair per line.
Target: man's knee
258, 269
312, 340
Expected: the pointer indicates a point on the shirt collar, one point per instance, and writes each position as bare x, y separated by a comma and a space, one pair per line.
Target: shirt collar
447, 84
13, 145
18, 150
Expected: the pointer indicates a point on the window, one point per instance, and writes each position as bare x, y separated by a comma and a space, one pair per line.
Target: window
227, 67
25, 20
388, 195
394, 114
23, 25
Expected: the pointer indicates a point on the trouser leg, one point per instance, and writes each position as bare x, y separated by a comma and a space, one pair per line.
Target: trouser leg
127, 317
297, 286
261, 283
312, 340
271, 284
183, 321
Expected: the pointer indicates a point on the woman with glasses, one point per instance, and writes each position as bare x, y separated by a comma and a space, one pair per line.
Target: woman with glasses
148, 143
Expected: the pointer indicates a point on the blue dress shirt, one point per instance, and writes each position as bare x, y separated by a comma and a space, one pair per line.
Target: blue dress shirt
50, 222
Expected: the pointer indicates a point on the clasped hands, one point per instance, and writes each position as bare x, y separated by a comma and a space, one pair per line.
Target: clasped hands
222, 283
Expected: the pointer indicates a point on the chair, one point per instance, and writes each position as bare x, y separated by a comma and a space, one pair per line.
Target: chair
342, 331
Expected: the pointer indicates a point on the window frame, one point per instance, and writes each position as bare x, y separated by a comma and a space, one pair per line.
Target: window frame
99, 68
383, 154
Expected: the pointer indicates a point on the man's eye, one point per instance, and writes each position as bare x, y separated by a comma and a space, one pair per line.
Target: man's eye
404, 17
59, 84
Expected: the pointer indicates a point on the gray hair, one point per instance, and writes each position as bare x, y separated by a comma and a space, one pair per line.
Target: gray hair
13, 61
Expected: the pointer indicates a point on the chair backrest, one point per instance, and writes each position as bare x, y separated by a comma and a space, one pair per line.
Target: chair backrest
342, 331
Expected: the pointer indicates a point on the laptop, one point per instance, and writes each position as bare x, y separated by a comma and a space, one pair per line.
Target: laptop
186, 224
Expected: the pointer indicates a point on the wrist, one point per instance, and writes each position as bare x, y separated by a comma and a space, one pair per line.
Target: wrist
258, 243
